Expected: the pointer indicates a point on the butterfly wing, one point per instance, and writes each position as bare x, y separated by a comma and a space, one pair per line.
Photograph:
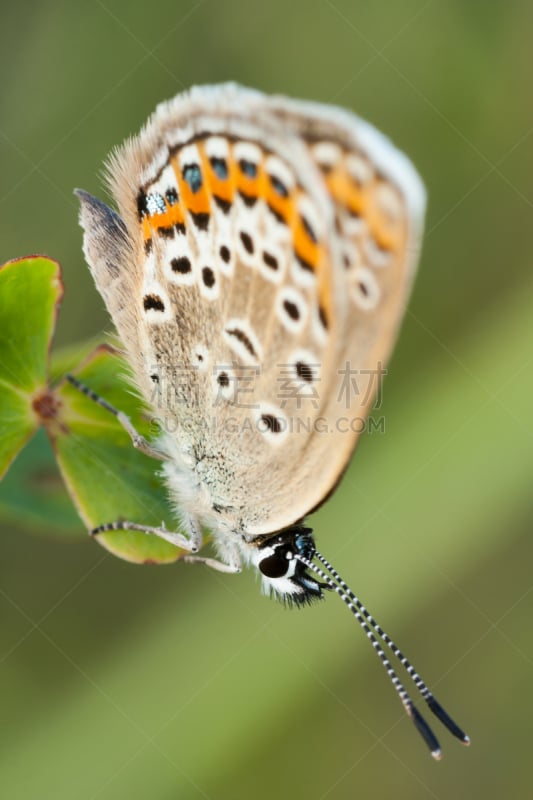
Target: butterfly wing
251, 242
379, 206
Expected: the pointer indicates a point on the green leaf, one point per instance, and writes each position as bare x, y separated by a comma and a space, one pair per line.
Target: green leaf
30, 293
68, 358
108, 479
33, 496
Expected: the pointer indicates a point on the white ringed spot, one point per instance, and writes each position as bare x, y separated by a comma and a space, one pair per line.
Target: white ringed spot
224, 383
389, 202
365, 289
241, 338
155, 303
327, 154
306, 366
271, 423
359, 169
200, 357
378, 257
292, 309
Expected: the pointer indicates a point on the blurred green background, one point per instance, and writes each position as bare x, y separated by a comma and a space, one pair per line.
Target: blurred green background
126, 682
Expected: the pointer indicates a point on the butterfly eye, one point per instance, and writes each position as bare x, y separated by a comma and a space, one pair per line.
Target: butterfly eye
276, 565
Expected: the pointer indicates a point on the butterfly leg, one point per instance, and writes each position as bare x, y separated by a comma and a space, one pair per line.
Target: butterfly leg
139, 442
232, 564
191, 542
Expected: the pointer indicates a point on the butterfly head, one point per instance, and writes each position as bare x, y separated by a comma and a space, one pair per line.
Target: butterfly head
282, 573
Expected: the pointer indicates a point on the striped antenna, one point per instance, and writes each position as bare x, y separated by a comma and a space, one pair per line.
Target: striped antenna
432, 703
367, 622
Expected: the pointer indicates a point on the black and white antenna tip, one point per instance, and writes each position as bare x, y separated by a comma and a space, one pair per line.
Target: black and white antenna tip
371, 628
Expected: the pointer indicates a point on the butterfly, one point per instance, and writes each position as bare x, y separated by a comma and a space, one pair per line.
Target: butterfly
257, 272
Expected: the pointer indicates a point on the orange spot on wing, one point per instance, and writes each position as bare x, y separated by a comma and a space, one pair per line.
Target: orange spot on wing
247, 185
224, 188
344, 191
146, 228
304, 247
195, 202
315, 255
389, 234
284, 206
172, 216
361, 201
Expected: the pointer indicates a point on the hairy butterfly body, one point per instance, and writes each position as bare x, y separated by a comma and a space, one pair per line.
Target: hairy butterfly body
257, 272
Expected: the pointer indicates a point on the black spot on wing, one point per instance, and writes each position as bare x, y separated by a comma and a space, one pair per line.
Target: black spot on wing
142, 209
242, 337
304, 371
166, 232
208, 277
292, 309
171, 196
223, 204
247, 242
181, 265
201, 220
153, 301
249, 200
271, 423
270, 260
